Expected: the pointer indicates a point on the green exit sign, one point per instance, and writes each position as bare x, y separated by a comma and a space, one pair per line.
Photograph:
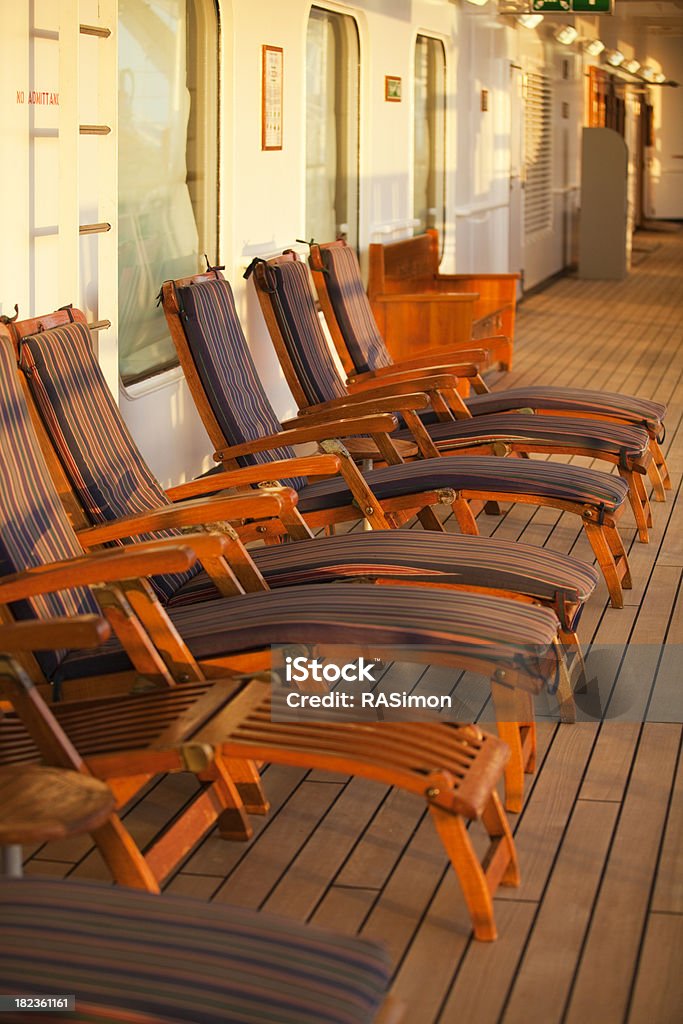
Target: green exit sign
572, 6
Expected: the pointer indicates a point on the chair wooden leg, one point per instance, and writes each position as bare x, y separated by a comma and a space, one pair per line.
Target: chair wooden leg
515, 725
565, 692
501, 862
464, 517
639, 482
658, 489
639, 504
429, 520
618, 550
574, 659
232, 819
246, 777
471, 874
662, 468
603, 552
123, 858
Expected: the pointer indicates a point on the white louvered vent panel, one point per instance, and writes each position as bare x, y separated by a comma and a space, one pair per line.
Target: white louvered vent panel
538, 147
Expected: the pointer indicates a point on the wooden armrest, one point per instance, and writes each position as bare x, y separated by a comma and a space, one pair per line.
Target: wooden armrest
366, 406
199, 512
414, 383
432, 296
50, 634
96, 567
304, 432
203, 545
440, 363
278, 469
416, 380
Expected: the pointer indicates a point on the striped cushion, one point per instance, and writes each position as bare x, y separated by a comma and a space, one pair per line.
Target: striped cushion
101, 459
226, 368
303, 335
579, 400
182, 960
618, 440
408, 554
352, 308
434, 621
35, 529
512, 476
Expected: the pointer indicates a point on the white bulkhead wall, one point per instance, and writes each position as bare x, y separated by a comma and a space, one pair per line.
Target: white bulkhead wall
58, 180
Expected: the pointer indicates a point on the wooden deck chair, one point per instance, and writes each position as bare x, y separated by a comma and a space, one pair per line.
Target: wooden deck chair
215, 728
212, 729
513, 643
212, 353
129, 956
450, 424
125, 742
87, 429
285, 293
367, 362
625, 446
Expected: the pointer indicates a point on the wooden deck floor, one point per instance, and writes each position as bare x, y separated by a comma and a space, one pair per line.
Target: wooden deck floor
595, 932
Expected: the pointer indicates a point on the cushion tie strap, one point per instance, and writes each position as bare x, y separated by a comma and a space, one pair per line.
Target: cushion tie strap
69, 308
267, 277
212, 269
10, 319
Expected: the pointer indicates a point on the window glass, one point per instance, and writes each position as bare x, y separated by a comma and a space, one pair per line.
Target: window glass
332, 91
168, 68
429, 155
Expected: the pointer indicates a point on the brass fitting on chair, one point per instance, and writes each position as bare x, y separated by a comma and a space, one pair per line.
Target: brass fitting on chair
501, 449
196, 757
446, 496
333, 446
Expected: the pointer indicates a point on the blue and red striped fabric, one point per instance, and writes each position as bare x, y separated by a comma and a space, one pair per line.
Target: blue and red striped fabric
352, 309
537, 573
303, 335
227, 371
98, 454
180, 960
35, 530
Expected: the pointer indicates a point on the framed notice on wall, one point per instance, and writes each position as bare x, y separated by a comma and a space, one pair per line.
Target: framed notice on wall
271, 98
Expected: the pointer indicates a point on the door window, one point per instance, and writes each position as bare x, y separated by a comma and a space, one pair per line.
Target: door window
167, 162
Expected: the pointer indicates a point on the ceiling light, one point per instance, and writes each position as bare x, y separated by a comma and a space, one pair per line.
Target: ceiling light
659, 78
614, 57
530, 20
566, 35
594, 47
478, 3
648, 73
631, 66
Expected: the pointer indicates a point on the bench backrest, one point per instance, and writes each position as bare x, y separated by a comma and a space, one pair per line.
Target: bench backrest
407, 266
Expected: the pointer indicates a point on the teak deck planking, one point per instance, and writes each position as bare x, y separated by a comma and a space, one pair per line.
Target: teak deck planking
595, 931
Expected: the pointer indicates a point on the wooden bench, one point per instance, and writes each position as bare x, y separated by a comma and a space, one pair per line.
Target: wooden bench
418, 309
